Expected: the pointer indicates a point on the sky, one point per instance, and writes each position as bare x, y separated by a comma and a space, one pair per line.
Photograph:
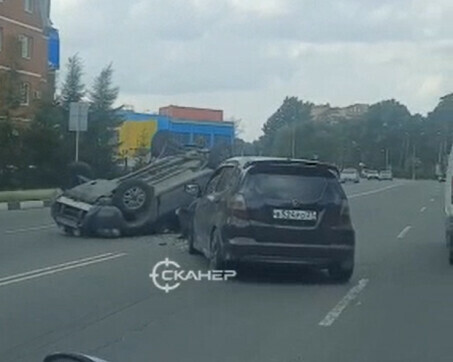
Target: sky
246, 56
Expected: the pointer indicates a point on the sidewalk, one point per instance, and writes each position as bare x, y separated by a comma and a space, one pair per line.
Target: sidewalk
26, 199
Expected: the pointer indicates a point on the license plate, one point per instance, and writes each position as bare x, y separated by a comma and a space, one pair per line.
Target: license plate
303, 215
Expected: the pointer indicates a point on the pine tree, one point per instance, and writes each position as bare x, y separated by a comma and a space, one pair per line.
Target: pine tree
73, 88
100, 143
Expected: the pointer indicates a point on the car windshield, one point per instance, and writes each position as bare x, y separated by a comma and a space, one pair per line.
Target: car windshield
226, 180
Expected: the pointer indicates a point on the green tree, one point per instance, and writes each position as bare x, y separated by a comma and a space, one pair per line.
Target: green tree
44, 146
99, 145
292, 112
73, 89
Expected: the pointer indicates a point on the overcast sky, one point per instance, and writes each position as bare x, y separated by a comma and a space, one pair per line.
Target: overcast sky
245, 56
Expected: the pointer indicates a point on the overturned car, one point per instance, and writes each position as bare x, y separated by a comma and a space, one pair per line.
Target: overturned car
138, 203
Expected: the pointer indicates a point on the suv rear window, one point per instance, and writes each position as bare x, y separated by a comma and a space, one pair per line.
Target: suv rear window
291, 184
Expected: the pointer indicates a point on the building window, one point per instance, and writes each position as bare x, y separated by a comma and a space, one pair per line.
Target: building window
36, 95
28, 6
25, 94
26, 44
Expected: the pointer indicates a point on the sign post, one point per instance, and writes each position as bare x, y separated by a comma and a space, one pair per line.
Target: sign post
78, 122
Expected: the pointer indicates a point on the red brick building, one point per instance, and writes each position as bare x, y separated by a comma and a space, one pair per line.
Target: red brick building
24, 46
192, 113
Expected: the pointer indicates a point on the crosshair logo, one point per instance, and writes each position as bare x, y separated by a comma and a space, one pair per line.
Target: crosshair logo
155, 275
167, 275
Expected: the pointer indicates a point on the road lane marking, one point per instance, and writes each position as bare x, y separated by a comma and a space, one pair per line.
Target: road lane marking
423, 209
56, 266
403, 232
34, 228
333, 315
373, 191
28, 205
12, 279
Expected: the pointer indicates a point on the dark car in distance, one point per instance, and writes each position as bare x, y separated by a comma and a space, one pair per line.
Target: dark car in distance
273, 210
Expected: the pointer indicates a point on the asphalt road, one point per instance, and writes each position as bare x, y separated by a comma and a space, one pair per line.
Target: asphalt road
95, 295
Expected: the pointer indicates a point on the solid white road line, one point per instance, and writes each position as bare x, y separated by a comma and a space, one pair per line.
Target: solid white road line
374, 191
423, 209
333, 315
34, 228
27, 205
58, 268
403, 232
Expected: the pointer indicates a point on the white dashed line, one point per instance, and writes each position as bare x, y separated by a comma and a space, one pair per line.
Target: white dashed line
423, 209
432, 200
403, 232
12, 279
35, 228
333, 315
373, 191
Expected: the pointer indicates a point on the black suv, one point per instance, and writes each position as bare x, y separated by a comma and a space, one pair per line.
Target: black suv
272, 210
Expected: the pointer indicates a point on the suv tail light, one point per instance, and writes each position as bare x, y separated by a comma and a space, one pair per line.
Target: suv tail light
238, 207
345, 217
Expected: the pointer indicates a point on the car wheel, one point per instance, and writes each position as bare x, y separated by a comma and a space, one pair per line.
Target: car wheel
340, 274
216, 261
133, 197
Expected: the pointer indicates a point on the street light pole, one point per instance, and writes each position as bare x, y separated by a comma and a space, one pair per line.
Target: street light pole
386, 158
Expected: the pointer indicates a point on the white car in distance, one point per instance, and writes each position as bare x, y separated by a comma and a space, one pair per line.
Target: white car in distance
349, 175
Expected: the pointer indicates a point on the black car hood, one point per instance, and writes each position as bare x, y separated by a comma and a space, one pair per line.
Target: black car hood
91, 191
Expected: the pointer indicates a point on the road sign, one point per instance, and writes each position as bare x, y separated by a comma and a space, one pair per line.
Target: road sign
78, 116
78, 121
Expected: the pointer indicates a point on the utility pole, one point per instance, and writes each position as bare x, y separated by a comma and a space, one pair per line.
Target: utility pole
77, 143
386, 158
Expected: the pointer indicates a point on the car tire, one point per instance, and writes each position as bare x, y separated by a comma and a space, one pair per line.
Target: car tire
133, 197
340, 274
216, 261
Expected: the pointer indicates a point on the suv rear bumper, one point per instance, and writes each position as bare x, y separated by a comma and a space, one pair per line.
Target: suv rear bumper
247, 250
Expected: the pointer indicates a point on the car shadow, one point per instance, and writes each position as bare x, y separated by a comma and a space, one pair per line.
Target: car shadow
277, 274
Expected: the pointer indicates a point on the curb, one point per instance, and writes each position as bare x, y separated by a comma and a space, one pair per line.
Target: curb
24, 205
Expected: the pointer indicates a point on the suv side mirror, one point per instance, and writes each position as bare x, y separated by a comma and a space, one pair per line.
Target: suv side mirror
193, 190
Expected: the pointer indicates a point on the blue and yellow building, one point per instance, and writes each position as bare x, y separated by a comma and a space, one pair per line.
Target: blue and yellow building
138, 130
